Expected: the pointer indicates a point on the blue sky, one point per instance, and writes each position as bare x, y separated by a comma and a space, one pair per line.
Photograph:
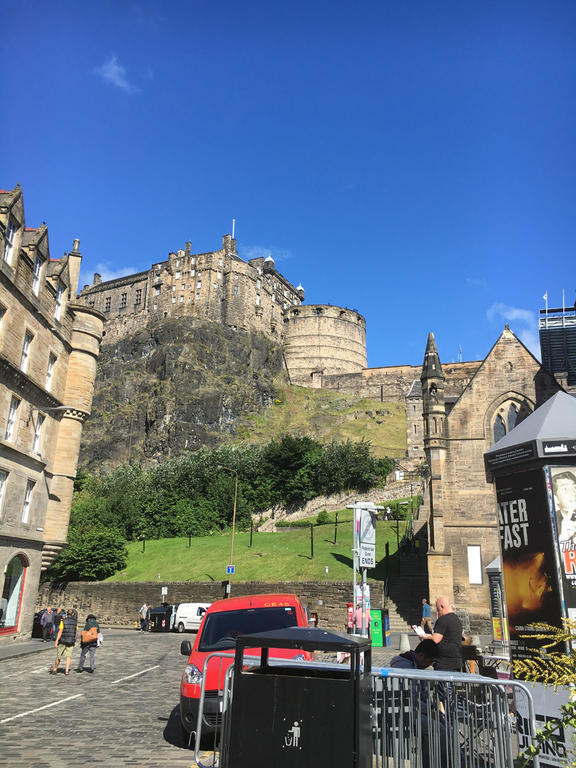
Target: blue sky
411, 159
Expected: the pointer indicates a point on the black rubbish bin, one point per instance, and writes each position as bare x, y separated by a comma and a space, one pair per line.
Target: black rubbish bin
162, 618
299, 714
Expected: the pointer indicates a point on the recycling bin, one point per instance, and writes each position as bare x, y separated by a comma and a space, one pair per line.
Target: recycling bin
284, 713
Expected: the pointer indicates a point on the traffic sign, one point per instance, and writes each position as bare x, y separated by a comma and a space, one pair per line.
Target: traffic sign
230, 569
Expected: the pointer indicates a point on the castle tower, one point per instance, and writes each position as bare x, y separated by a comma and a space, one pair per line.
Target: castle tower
434, 415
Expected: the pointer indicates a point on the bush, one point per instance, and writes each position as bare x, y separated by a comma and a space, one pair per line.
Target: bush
91, 555
322, 518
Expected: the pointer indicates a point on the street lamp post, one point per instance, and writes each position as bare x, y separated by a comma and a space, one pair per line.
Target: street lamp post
228, 469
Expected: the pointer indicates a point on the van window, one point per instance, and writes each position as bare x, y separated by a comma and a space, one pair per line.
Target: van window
222, 628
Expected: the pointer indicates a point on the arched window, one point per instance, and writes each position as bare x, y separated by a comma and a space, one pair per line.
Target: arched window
11, 601
509, 414
512, 416
499, 428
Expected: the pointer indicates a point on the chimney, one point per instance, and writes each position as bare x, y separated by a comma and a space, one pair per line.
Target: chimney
97, 279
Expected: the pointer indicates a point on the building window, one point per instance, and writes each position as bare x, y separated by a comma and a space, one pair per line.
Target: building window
199, 285
59, 301
178, 262
257, 299
415, 429
108, 304
474, 564
27, 501
183, 286
173, 299
50, 371
3, 481
181, 298
192, 272
138, 296
38, 264
123, 298
178, 275
173, 289
219, 275
258, 284
14, 578
9, 242
25, 357
197, 295
38, 432
11, 421
157, 290
155, 307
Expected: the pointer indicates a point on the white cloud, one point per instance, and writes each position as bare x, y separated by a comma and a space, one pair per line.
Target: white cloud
524, 323
105, 273
115, 74
261, 251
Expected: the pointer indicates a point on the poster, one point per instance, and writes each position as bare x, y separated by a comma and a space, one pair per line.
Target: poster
547, 703
561, 490
529, 558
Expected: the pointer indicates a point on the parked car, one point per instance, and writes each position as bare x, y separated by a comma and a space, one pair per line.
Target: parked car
189, 616
163, 618
223, 622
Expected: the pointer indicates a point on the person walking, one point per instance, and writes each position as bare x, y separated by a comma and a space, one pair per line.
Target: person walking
47, 622
65, 640
426, 616
143, 612
357, 620
88, 643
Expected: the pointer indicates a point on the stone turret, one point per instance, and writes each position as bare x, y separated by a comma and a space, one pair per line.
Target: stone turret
434, 414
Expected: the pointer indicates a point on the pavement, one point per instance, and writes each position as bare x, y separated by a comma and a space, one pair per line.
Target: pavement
125, 714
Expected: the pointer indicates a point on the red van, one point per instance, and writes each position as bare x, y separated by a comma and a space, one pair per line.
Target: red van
222, 623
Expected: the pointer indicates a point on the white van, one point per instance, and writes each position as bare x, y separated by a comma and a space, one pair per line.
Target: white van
189, 616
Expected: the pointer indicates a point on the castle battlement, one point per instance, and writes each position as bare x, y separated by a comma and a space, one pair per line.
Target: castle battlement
249, 296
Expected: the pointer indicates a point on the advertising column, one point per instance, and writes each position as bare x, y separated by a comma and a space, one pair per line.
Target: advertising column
529, 563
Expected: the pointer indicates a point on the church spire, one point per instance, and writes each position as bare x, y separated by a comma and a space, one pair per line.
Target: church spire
431, 368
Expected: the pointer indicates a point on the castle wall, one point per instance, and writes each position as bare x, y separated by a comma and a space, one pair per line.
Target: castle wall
216, 286
324, 339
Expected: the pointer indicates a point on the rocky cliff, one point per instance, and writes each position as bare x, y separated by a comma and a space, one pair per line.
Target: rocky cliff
176, 385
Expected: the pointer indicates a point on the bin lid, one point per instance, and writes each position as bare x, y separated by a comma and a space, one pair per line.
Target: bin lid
304, 638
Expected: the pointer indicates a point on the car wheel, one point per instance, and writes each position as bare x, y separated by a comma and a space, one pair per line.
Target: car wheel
180, 627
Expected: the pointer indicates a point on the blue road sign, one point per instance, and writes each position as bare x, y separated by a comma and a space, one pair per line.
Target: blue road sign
230, 569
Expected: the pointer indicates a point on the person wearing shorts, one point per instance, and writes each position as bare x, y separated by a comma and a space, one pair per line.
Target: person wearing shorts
65, 641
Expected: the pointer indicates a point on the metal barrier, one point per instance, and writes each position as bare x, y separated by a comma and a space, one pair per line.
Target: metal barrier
420, 718
452, 720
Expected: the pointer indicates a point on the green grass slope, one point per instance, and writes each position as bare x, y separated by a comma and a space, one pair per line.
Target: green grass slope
327, 416
281, 556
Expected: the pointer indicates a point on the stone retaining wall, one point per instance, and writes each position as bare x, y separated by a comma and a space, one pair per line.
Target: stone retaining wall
115, 603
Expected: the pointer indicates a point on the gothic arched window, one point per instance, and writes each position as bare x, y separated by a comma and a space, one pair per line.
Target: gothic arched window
499, 428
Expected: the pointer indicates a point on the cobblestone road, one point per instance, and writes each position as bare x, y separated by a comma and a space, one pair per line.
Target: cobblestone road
125, 714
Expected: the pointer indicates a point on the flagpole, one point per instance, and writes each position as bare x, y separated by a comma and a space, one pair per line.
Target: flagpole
545, 297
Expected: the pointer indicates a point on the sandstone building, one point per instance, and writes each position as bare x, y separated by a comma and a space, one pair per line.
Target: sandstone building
48, 351
461, 506
245, 296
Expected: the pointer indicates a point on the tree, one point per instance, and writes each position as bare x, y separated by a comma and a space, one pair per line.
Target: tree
556, 668
91, 555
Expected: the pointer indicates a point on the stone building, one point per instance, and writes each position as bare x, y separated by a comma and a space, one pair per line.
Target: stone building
48, 351
243, 295
461, 506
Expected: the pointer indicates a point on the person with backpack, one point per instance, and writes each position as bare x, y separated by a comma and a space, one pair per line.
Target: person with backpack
88, 643
65, 640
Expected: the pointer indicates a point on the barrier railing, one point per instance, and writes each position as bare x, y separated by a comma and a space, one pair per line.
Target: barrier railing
420, 718
453, 720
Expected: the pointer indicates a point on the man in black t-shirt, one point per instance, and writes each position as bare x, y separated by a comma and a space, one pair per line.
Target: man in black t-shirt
448, 636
